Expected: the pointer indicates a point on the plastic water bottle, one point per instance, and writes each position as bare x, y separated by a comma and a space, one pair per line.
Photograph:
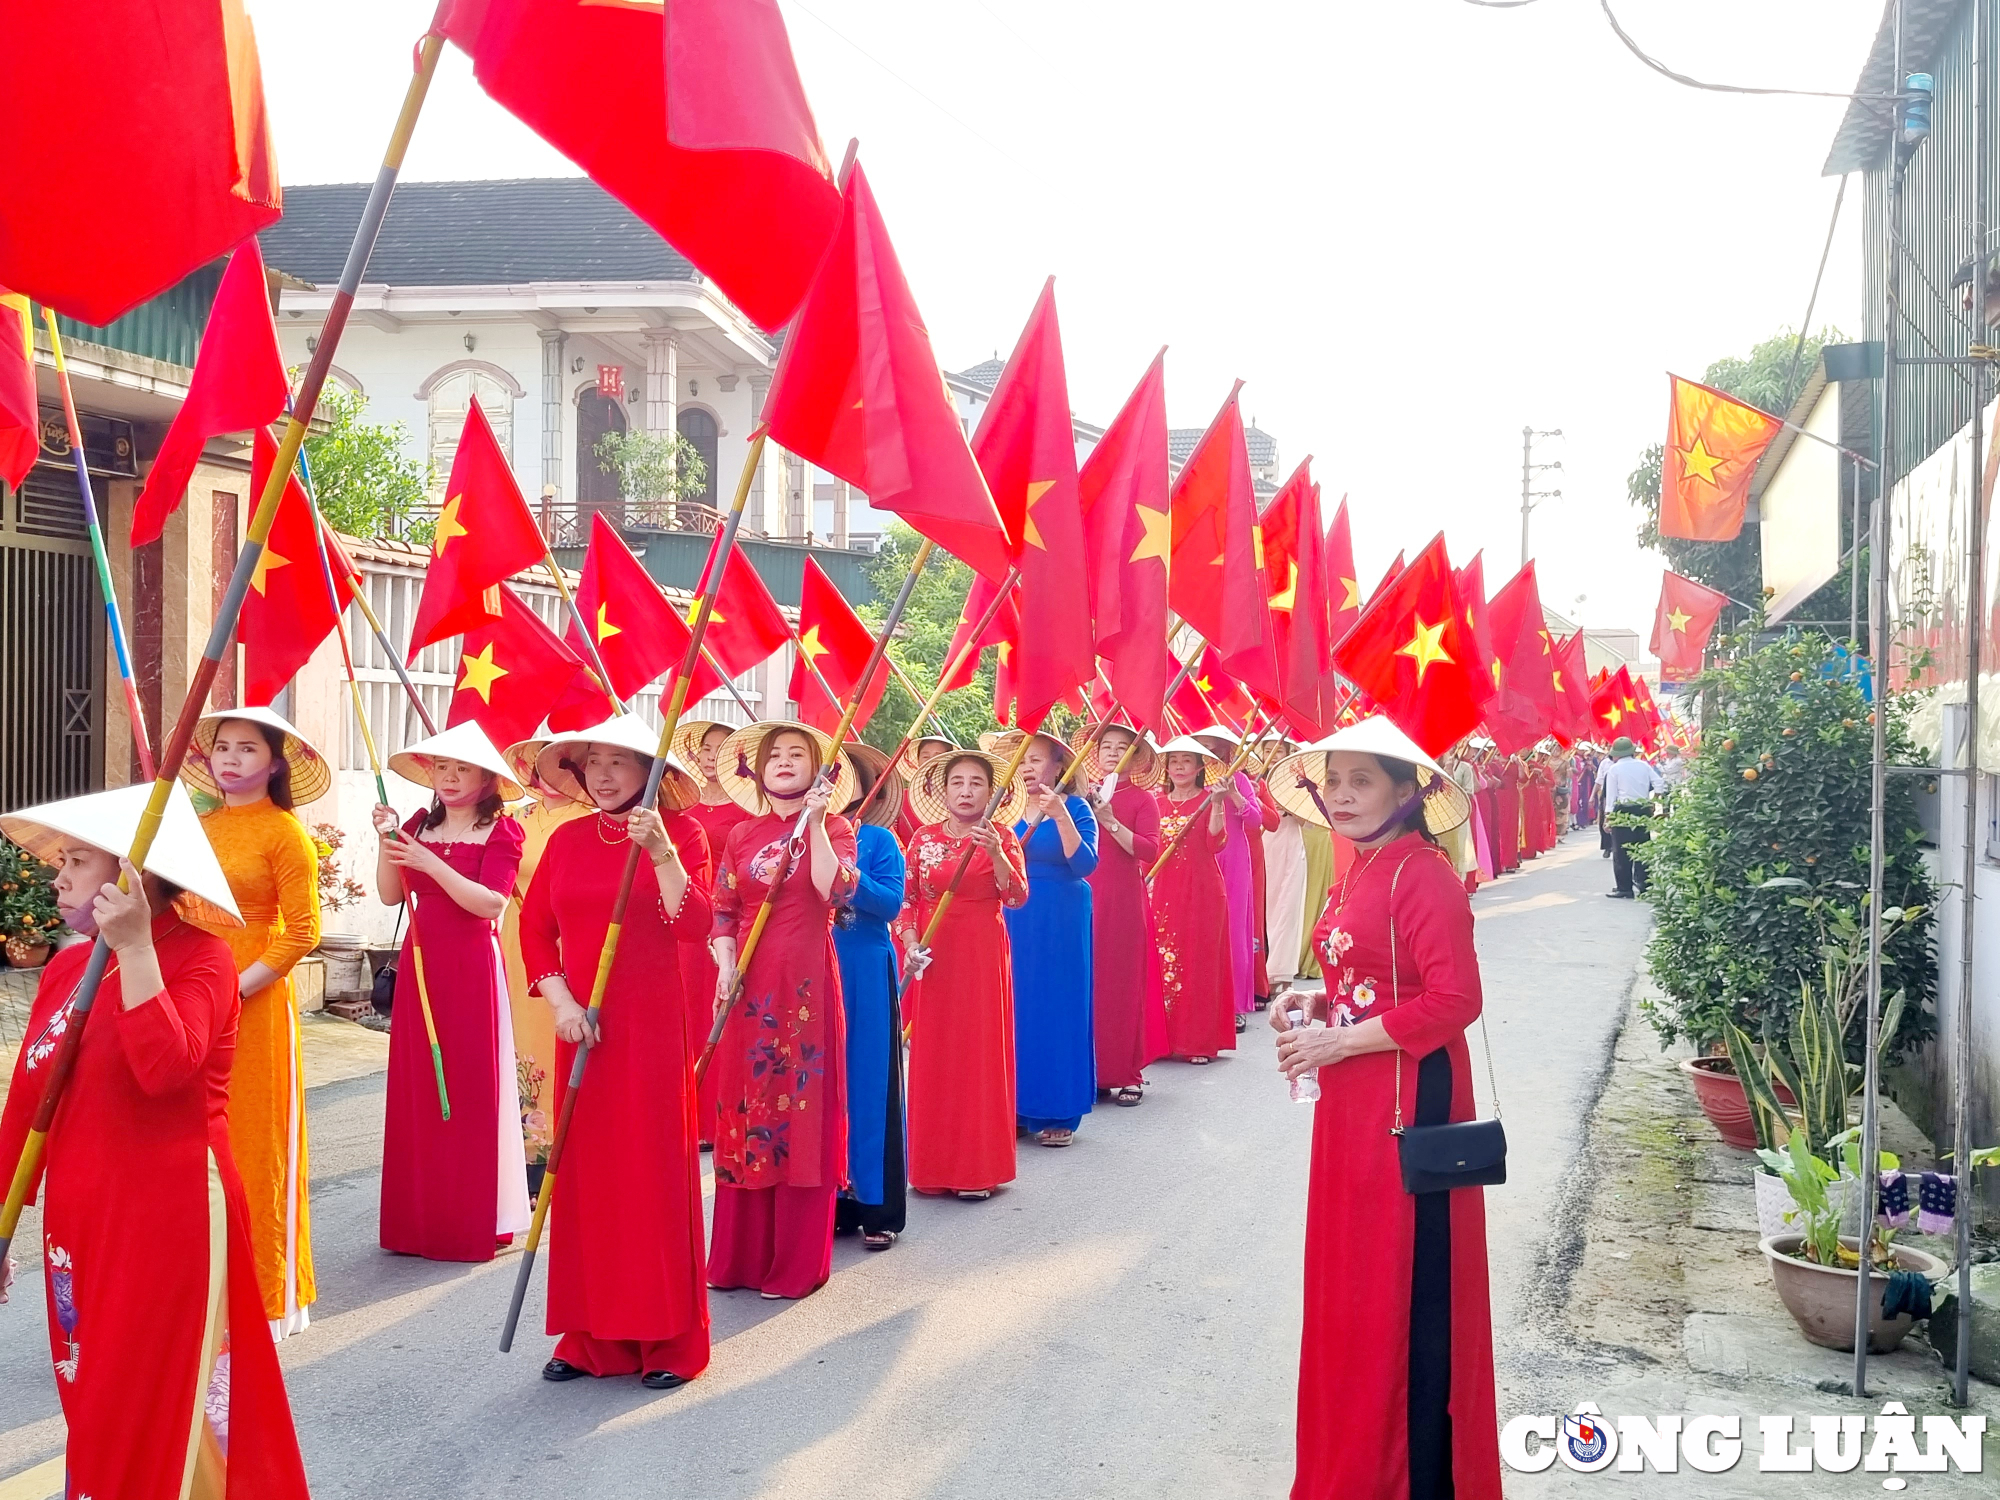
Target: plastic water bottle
1305, 1087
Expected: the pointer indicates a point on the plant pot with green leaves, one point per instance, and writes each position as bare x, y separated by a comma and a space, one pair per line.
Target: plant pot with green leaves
29, 918
1762, 863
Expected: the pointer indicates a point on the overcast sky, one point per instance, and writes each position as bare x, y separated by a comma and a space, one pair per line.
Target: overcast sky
1411, 226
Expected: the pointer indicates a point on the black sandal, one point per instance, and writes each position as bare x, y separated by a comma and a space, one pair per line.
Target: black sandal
880, 1240
1127, 1096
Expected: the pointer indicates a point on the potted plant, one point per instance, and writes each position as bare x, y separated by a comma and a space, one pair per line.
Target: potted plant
1814, 1267
29, 918
1777, 803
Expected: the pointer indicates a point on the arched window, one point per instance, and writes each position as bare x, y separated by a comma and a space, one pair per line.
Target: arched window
450, 396
596, 486
698, 427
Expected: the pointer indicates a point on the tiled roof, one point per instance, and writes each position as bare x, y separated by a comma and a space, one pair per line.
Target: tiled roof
986, 373
1863, 138
500, 233
1263, 448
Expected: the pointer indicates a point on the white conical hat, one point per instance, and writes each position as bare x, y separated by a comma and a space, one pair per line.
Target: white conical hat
1188, 744
1298, 782
180, 854
680, 788
466, 742
1220, 734
311, 775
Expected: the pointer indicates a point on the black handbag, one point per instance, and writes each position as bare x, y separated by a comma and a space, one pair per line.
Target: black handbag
382, 989
1464, 1153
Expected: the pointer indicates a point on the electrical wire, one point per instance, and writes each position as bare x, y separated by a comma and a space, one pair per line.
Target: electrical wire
1798, 348
1725, 88
1500, 4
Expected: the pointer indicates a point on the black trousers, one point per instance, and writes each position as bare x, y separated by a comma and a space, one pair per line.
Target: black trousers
1429, 1410
888, 1216
1627, 871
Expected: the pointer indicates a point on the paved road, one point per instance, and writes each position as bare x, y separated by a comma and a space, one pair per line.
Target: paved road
1124, 1319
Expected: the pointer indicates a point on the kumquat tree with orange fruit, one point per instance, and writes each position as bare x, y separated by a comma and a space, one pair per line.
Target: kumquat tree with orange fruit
1761, 865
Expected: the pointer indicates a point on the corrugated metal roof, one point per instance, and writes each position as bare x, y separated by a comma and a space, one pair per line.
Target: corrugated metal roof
1863, 137
500, 233
167, 327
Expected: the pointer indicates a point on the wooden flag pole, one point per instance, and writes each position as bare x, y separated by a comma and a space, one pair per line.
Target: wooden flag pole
222, 634
608, 954
1093, 740
1235, 762
375, 763
965, 860
114, 623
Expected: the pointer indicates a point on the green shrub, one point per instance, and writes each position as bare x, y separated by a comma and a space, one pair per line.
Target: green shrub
27, 901
1779, 795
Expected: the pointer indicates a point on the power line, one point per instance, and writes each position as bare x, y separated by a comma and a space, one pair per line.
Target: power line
1725, 88
1812, 302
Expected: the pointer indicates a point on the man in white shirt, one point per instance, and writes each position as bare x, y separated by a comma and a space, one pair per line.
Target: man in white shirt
1626, 784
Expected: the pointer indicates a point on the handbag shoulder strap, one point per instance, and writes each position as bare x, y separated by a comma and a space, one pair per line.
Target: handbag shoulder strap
1396, 999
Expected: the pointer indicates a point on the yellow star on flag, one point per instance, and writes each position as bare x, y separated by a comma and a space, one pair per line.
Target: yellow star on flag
480, 673
1496, 675
1205, 687
1699, 462
715, 616
811, 645
605, 629
1006, 651
1613, 715
1352, 594
1029, 532
1256, 545
266, 561
1158, 538
448, 525
1559, 687
1547, 644
1425, 647
1677, 620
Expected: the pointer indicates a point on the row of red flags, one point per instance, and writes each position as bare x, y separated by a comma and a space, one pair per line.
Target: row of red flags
693, 115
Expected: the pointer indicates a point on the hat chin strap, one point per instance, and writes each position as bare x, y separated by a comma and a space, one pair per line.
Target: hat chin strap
1395, 817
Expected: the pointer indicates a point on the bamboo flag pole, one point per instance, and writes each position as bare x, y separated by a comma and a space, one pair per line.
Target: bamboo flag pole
375, 763
113, 621
223, 632
965, 860
608, 954
1235, 763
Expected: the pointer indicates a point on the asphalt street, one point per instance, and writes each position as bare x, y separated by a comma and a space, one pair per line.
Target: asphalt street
1122, 1320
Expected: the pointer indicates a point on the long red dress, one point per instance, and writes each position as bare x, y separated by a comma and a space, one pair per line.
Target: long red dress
697, 963
1191, 922
1507, 841
961, 1016
1385, 1306
1266, 822
450, 1188
156, 1323
627, 1285
1125, 963
780, 1069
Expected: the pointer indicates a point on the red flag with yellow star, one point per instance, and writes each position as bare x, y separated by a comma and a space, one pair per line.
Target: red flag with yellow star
1213, 578
485, 533
512, 671
1470, 581
1572, 683
1411, 652
1004, 629
1614, 705
1123, 488
1686, 614
288, 611
745, 624
1295, 575
20, 414
836, 641
1523, 708
1229, 701
1343, 589
641, 636
858, 392
1713, 444
1026, 447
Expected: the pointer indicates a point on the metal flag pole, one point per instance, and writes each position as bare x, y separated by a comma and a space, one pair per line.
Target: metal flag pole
222, 634
113, 621
375, 764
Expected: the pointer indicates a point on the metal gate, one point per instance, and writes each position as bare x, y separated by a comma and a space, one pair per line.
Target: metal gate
51, 645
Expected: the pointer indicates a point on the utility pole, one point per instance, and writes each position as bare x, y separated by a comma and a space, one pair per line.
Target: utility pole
1529, 469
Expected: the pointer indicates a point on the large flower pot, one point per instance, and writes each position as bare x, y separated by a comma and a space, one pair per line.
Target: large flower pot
1720, 1093
1774, 1201
1821, 1298
27, 953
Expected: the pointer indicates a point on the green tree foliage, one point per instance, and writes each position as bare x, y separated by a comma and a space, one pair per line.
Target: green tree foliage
365, 484
1765, 379
656, 467
924, 638
27, 896
1779, 795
